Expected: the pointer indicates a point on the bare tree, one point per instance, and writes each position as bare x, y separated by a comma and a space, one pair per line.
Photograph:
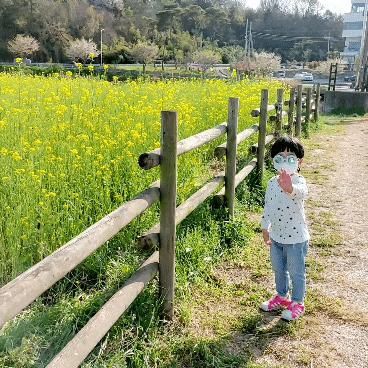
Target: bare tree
274, 5
144, 53
81, 50
23, 46
308, 6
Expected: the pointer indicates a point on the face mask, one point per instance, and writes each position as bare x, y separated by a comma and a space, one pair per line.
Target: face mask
288, 163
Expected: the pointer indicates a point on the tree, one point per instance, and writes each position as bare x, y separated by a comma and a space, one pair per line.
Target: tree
206, 58
262, 63
172, 25
81, 50
23, 46
302, 51
309, 7
193, 19
144, 53
324, 66
230, 54
269, 6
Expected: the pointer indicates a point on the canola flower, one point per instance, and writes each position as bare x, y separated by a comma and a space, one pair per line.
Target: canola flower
69, 150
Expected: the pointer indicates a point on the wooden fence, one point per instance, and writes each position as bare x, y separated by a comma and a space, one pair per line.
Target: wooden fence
302, 106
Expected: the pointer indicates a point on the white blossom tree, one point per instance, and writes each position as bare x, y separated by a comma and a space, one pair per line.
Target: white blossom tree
261, 63
144, 53
81, 50
324, 66
207, 58
23, 46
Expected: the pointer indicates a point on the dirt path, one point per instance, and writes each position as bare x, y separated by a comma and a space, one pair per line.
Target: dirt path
336, 334
334, 331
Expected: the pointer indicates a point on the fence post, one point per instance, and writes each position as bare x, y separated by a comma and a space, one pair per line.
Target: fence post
231, 147
291, 110
168, 182
298, 126
308, 110
279, 108
262, 134
316, 107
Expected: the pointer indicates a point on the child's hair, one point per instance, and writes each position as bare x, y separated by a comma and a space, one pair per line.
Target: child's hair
287, 143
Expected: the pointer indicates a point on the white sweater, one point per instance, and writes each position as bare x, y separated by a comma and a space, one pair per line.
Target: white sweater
284, 214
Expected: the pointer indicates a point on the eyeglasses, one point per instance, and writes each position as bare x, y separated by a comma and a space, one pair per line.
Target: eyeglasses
290, 159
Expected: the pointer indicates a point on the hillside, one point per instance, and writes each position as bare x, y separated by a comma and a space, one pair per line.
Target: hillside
179, 28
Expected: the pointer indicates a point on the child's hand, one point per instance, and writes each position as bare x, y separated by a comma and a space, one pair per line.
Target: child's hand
266, 237
285, 182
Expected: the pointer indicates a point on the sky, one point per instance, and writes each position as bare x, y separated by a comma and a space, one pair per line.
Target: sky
336, 6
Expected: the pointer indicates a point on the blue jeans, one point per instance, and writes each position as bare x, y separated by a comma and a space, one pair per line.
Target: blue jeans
289, 260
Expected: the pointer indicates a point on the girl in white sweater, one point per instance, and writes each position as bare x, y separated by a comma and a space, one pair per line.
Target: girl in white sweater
285, 228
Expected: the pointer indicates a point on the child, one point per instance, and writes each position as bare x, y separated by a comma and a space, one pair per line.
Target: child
285, 229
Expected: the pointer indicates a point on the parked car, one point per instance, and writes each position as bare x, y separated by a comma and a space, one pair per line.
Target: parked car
281, 74
350, 78
304, 76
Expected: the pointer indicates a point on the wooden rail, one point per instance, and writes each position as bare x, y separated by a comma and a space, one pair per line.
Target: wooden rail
23, 290
152, 237
257, 112
219, 198
96, 328
269, 138
152, 159
220, 151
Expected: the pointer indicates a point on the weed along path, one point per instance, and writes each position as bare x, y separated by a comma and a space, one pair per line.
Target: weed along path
334, 331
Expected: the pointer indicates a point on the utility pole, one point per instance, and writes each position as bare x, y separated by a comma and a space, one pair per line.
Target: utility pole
101, 47
328, 45
363, 60
251, 46
246, 40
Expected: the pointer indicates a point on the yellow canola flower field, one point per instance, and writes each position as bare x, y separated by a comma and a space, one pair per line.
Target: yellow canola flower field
69, 150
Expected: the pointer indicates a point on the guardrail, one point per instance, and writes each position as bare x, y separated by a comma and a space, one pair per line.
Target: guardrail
113, 66
27, 287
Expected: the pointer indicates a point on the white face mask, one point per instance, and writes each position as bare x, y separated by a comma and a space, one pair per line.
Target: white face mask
289, 163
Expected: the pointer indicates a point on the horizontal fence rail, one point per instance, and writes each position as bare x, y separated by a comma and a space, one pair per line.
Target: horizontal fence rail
268, 140
239, 178
257, 112
152, 159
220, 151
152, 237
96, 328
24, 289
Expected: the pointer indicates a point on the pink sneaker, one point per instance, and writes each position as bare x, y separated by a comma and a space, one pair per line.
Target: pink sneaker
277, 302
295, 310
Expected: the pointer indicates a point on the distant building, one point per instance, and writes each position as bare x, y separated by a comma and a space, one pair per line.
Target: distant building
355, 24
